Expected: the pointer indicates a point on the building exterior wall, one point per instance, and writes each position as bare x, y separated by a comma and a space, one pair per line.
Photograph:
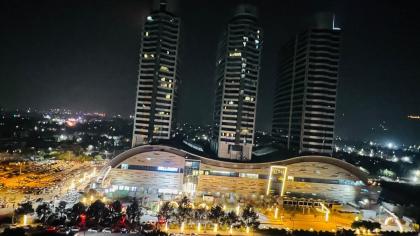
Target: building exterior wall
237, 76
158, 77
301, 179
153, 181
172, 171
305, 95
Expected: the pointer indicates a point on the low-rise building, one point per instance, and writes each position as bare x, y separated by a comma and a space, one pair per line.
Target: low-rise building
164, 172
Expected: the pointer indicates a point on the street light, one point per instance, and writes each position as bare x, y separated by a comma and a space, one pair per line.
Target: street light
276, 211
215, 228
182, 227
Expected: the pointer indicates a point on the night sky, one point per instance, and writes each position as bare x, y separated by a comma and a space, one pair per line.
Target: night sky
83, 55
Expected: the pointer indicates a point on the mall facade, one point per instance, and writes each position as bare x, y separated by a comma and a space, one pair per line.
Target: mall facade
164, 172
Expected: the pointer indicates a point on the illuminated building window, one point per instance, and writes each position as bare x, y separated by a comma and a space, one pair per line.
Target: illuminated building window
149, 18
146, 56
146, 34
124, 166
163, 79
168, 96
247, 98
164, 68
152, 55
235, 54
248, 175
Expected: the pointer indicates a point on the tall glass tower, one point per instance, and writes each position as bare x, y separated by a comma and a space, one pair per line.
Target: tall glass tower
305, 96
158, 77
237, 75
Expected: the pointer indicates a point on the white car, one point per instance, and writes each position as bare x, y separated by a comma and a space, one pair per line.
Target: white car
106, 230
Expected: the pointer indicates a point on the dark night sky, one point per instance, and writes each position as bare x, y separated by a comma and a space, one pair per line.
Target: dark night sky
83, 55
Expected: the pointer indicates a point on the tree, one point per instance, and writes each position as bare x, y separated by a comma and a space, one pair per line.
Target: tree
115, 211
166, 211
74, 213
370, 225
250, 217
43, 211
116, 206
200, 214
24, 208
134, 212
96, 212
230, 218
216, 214
184, 211
61, 208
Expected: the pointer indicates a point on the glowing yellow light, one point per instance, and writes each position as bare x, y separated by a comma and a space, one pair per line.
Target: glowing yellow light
235, 54
25, 219
247, 229
231, 229
198, 227
91, 198
283, 181
166, 226
215, 228
276, 211
326, 210
224, 207
237, 209
182, 227
311, 229
104, 199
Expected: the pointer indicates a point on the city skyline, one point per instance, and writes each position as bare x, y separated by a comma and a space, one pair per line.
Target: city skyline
368, 71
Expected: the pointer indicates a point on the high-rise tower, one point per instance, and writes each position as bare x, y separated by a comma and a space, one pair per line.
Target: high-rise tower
305, 96
158, 77
237, 75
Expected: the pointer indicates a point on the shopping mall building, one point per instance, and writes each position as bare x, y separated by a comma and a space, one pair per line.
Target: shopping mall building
159, 171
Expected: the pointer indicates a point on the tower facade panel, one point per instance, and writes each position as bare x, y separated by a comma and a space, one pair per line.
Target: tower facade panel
158, 78
237, 75
305, 96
